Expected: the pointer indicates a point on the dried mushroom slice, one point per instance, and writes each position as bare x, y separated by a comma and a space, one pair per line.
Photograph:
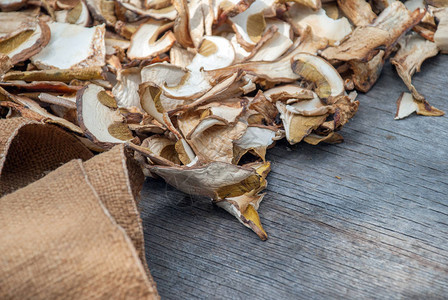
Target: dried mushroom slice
64, 75
181, 26
358, 11
250, 24
214, 53
289, 92
216, 180
145, 42
277, 45
407, 104
244, 207
414, 50
22, 36
321, 25
229, 8
257, 139
364, 42
298, 126
163, 147
103, 11
125, 90
72, 46
12, 5
165, 13
180, 57
365, 74
112, 43
441, 34
201, 20
79, 14
176, 82
101, 123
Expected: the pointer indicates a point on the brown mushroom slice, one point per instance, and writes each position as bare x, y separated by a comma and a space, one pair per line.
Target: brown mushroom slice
23, 37
298, 126
364, 42
365, 74
407, 104
277, 44
250, 24
216, 180
100, 123
103, 11
441, 34
72, 46
40, 86
321, 25
245, 207
125, 90
63, 75
144, 42
330, 138
414, 50
12, 5
79, 15
358, 11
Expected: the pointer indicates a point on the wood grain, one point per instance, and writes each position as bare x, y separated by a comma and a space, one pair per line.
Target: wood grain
380, 231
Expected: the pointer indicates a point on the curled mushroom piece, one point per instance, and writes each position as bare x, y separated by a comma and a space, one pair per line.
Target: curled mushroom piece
407, 104
74, 14
413, 51
99, 120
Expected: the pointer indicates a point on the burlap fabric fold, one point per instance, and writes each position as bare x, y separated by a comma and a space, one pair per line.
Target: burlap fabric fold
29, 150
75, 233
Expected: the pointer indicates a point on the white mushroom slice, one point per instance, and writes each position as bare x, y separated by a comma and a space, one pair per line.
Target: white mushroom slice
250, 25
240, 53
144, 42
215, 52
72, 46
216, 179
102, 124
78, 15
287, 92
313, 107
321, 25
257, 137
298, 126
441, 34
113, 43
176, 82
125, 90
414, 50
406, 105
277, 44
23, 38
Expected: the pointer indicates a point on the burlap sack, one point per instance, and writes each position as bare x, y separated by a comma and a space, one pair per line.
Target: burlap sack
29, 150
76, 233
59, 242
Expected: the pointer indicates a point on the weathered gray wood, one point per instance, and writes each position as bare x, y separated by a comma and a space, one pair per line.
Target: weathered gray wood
380, 231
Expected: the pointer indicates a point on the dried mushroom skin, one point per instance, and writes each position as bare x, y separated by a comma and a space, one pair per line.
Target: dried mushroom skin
414, 50
72, 46
100, 123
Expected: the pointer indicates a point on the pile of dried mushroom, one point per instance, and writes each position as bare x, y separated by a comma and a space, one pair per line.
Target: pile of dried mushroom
193, 86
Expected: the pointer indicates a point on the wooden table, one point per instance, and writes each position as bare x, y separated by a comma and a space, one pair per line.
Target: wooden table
367, 218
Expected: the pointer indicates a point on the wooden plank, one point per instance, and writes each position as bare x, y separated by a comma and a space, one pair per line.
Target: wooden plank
380, 231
